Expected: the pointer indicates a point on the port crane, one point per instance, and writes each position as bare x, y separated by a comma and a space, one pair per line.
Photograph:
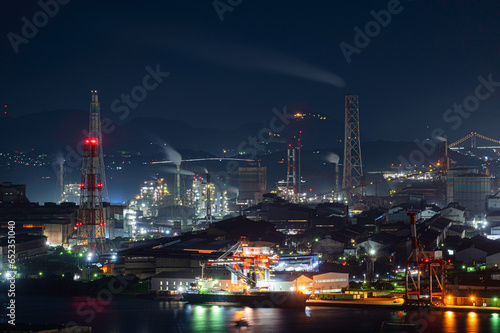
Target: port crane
248, 264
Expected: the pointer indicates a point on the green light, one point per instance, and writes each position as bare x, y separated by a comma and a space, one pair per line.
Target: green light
317, 239
495, 299
463, 266
80, 254
40, 273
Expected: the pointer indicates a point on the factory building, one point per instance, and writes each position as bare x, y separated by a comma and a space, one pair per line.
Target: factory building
27, 247
56, 222
71, 193
470, 190
252, 183
11, 193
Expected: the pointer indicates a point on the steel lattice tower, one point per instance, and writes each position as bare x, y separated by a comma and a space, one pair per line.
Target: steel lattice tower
91, 220
291, 177
95, 132
353, 165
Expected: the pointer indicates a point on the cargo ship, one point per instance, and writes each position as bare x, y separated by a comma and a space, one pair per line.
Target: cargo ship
256, 299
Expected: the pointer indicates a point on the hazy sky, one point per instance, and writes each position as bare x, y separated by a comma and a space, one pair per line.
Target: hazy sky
263, 54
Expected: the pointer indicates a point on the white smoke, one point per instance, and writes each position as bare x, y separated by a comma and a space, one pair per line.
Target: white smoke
332, 158
59, 159
241, 56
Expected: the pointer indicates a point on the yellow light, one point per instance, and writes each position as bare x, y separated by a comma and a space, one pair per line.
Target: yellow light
472, 298
472, 314
449, 297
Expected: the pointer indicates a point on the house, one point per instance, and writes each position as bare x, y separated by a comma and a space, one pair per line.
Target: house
493, 216
456, 230
429, 212
475, 251
429, 238
400, 213
328, 246
374, 243
454, 212
440, 224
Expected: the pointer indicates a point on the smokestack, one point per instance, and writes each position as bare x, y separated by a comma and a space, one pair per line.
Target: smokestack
337, 181
94, 96
413, 235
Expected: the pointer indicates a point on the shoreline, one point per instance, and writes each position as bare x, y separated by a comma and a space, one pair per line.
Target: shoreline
373, 304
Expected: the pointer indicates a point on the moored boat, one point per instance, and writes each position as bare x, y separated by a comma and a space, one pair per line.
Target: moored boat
257, 299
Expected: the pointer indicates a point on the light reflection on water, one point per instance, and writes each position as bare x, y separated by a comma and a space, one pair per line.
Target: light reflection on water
135, 315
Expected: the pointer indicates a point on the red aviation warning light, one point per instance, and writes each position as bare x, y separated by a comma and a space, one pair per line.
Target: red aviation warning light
92, 141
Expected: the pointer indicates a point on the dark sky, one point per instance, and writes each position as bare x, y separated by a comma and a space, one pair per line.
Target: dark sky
264, 54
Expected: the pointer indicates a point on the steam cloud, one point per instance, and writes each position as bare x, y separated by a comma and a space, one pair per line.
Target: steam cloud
265, 60
332, 158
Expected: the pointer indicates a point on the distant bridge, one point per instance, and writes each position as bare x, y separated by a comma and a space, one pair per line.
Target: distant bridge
473, 141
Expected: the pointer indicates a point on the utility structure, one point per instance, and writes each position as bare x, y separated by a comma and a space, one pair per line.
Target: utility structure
424, 273
299, 149
60, 183
91, 220
177, 198
210, 193
291, 176
353, 164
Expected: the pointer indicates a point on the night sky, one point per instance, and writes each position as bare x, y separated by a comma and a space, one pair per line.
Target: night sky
264, 54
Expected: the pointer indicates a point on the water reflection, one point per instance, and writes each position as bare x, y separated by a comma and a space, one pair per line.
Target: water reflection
494, 323
131, 315
471, 323
450, 322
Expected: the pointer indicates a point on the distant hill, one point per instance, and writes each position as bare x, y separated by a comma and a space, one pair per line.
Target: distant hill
51, 131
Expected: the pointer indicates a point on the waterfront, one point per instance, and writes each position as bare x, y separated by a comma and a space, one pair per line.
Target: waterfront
145, 316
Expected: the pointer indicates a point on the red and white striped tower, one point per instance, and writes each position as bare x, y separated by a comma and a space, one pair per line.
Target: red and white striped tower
91, 220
